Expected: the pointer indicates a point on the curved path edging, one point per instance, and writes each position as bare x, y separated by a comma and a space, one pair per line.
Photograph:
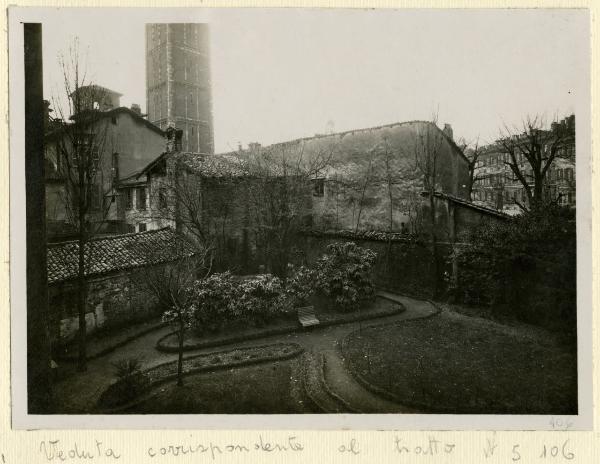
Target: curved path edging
379, 390
297, 350
167, 348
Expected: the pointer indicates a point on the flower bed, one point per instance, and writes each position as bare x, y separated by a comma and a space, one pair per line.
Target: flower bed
379, 307
115, 397
222, 300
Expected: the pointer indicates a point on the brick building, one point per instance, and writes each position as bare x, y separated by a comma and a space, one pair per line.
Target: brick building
496, 186
361, 167
129, 142
224, 201
114, 272
178, 89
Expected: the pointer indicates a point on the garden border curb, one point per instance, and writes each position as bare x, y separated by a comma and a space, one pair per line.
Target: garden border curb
387, 394
333, 394
298, 350
161, 346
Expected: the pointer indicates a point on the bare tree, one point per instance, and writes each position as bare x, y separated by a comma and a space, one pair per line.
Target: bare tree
263, 195
427, 152
472, 152
279, 195
531, 151
363, 184
171, 285
80, 143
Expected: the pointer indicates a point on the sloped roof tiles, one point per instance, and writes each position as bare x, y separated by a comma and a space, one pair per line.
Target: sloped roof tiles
116, 253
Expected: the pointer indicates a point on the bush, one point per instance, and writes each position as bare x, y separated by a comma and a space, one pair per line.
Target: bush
222, 299
343, 275
259, 298
524, 268
300, 287
213, 301
130, 383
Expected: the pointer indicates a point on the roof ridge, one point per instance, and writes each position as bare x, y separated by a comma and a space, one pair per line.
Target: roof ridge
110, 237
469, 203
341, 133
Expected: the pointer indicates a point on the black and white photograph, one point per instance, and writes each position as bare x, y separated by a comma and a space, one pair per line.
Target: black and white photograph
319, 213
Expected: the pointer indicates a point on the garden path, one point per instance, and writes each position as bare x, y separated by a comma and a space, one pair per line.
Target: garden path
79, 392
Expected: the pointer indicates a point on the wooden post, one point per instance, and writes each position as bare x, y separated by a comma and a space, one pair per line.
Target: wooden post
39, 391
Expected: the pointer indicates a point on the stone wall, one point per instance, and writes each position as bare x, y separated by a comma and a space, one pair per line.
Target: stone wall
403, 265
112, 301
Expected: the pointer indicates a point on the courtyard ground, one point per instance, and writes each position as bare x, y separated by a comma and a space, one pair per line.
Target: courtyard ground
454, 363
320, 380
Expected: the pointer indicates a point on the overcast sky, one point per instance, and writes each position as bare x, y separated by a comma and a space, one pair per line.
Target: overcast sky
282, 74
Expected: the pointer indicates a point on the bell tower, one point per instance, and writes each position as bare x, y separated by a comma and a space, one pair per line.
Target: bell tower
178, 88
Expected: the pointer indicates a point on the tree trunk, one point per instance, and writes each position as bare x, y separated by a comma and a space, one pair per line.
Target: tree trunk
81, 304
436, 264
180, 357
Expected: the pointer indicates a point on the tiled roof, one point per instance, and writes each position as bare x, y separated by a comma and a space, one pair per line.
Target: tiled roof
214, 165
115, 253
203, 164
97, 115
468, 204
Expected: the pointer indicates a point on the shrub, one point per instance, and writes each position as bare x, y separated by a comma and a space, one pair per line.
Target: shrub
213, 301
259, 298
524, 268
130, 383
342, 274
300, 287
221, 299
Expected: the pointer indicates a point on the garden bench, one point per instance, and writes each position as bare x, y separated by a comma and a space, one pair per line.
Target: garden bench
306, 316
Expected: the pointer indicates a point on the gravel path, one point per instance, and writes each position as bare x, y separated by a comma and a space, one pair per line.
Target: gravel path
80, 391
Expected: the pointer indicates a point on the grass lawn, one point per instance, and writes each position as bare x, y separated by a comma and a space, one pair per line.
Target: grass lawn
453, 363
272, 388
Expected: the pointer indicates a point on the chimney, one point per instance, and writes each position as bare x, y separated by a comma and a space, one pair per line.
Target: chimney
174, 137
47, 111
170, 135
448, 131
177, 146
136, 109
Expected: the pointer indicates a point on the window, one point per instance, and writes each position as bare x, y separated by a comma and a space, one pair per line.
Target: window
141, 198
113, 120
96, 197
141, 227
162, 198
318, 187
569, 174
128, 198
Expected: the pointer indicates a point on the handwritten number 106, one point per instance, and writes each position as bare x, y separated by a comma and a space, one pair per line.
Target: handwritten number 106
555, 451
